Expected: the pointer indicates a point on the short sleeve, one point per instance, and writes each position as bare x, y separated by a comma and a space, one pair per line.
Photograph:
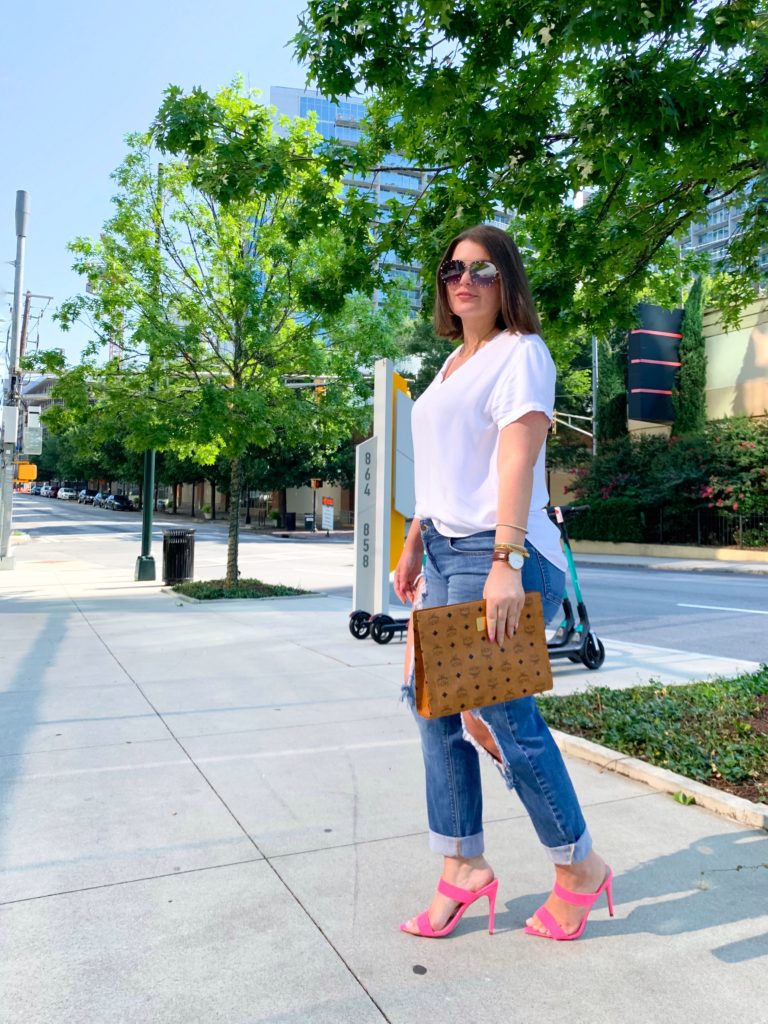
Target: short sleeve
527, 383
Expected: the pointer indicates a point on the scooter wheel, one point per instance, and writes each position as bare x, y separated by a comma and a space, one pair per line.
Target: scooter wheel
593, 654
359, 625
380, 631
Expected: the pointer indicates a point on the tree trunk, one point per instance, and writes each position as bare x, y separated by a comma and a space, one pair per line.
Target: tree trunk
175, 497
194, 488
282, 506
213, 498
234, 521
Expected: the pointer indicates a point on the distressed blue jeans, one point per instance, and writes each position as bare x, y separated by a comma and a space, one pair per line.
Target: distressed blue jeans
531, 764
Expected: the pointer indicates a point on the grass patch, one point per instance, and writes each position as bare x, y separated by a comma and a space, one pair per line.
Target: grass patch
716, 733
216, 590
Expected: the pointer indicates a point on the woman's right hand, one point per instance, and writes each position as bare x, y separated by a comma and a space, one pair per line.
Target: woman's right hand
407, 571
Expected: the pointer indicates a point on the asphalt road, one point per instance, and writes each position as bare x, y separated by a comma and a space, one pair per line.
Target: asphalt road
708, 613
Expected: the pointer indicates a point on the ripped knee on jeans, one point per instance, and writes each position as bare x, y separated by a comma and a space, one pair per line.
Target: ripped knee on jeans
478, 733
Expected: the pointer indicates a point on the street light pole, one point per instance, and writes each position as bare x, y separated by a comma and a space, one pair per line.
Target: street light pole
145, 563
11, 402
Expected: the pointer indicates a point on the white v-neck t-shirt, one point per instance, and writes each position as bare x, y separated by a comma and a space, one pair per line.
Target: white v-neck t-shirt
456, 424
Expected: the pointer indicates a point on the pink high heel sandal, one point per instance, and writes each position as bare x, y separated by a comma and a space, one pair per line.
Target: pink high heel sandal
577, 899
465, 898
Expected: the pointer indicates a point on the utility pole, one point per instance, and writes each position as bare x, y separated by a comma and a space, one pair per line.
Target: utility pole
145, 563
10, 421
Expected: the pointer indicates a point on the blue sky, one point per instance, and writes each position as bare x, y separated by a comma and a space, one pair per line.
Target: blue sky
76, 77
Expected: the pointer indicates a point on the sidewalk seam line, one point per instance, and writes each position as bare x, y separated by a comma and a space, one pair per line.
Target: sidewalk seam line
130, 881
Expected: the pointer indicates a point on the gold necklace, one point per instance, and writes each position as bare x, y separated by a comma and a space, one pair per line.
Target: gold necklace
483, 341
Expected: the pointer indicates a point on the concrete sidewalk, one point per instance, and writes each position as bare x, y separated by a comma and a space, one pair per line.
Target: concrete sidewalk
215, 813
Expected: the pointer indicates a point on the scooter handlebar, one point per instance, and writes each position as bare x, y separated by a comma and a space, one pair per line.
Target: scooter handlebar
566, 511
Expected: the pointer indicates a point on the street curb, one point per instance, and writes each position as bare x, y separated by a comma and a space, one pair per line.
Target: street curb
240, 600
751, 556
747, 569
725, 804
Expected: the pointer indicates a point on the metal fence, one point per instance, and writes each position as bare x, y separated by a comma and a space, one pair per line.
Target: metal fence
707, 527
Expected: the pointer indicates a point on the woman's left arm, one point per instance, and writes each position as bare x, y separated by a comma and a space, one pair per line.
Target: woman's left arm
519, 446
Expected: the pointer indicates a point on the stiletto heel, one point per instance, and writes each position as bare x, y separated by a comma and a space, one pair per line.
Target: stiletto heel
492, 905
577, 899
465, 899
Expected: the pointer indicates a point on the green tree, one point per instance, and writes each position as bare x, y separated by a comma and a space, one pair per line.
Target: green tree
648, 110
85, 448
49, 460
689, 396
220, 277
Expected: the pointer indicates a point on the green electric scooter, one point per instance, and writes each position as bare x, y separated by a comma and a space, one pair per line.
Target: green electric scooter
573, 640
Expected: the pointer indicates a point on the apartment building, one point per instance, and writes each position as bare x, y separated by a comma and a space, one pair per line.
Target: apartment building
711, 236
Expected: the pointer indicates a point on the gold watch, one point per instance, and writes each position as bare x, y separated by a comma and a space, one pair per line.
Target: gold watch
512, 558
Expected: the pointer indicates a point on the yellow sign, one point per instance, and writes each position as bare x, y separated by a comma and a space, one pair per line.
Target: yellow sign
396, 520
25, 471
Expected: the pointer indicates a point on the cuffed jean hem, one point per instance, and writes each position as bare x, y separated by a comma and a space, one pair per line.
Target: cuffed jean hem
573, 852
457, 846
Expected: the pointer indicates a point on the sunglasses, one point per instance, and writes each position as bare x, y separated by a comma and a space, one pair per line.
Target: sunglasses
481, 272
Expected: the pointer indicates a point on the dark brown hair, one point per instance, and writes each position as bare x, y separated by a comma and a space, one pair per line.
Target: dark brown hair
518, 311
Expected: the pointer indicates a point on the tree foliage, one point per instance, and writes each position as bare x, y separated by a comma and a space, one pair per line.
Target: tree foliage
230, 265
650, 110
689, 397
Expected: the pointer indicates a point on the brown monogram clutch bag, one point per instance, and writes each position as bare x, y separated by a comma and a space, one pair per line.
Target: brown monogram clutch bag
458, 668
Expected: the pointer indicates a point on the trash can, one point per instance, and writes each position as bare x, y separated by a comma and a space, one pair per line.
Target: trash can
309, 522
290, 521
178, 555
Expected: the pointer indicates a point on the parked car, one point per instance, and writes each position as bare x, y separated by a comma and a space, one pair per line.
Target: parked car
86, 496
118, 503
99, 498
67, 494
36, 488
54, 491
45, 491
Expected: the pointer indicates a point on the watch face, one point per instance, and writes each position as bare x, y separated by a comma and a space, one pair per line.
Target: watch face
516, 560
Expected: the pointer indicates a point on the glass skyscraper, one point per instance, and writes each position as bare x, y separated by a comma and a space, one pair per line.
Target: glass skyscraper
341, 122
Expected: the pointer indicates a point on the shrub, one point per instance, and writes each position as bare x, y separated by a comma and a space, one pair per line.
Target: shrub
725, 466
614, 519
214, 590
715, 732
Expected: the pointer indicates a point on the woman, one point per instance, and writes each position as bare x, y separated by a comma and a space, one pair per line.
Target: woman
478, 434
